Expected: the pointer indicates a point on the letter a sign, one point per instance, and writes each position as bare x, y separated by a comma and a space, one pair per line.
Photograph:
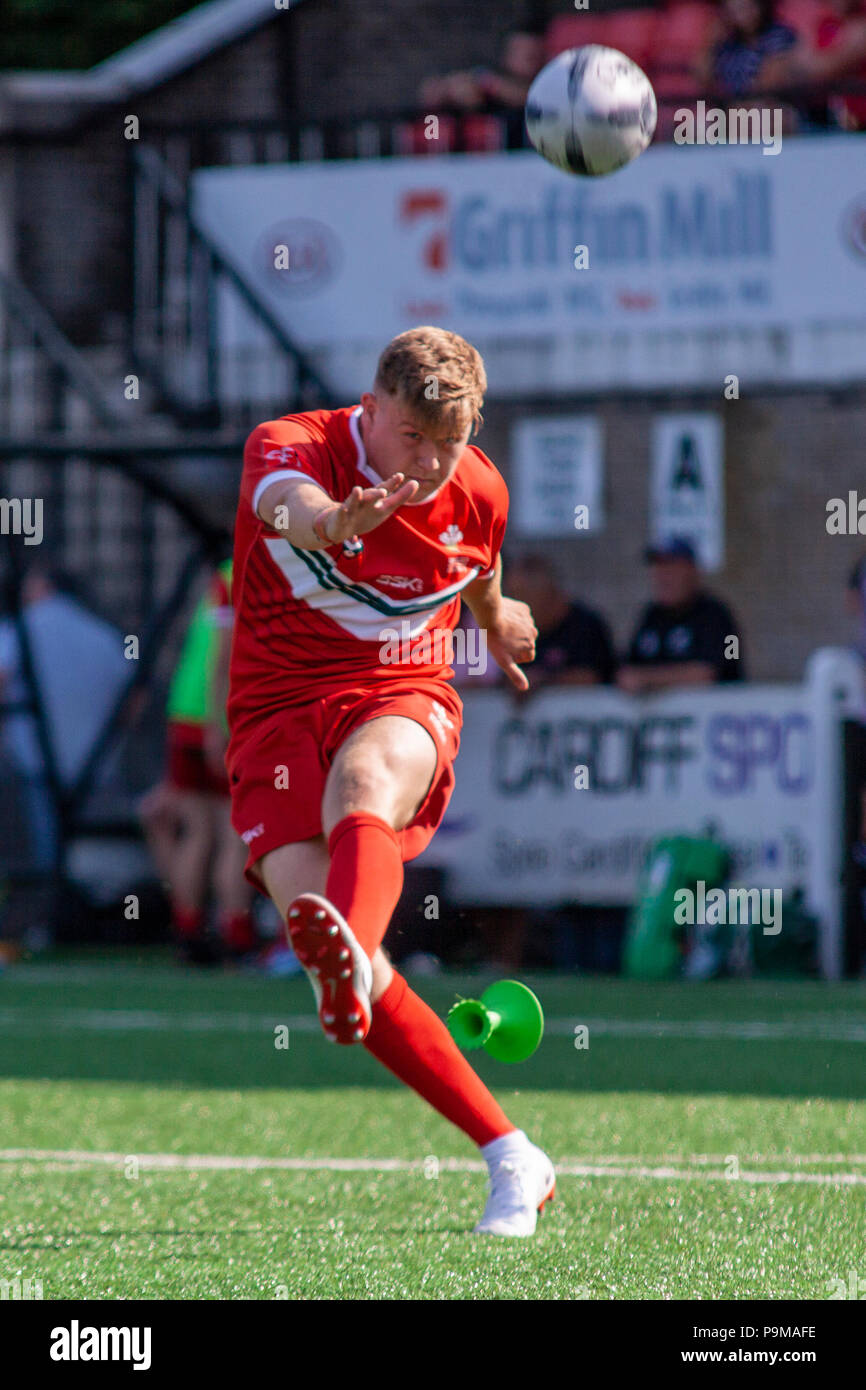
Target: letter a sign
686, 484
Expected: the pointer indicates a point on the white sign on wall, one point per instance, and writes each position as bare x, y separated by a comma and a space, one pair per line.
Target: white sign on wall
557, 466
687, 484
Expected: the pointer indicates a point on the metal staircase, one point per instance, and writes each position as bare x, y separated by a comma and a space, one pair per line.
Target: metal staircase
181, 281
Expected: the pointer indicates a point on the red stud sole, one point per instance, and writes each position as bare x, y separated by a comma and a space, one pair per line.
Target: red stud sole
319, 945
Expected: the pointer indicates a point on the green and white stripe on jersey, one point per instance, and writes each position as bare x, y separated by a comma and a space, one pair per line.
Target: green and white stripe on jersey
356, 607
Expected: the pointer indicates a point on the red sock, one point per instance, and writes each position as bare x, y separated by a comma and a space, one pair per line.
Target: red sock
237, 931
366, 875
188, 921
413, 1043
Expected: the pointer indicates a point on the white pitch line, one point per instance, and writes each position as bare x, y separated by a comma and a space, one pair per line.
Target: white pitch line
76, 1158
149, 1021
709, 1160
822, 1028
27, 1020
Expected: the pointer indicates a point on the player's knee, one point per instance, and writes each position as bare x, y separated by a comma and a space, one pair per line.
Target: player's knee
355, 787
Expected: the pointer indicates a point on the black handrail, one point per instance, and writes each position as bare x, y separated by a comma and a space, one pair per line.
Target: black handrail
173, 195
62, 356
332, 128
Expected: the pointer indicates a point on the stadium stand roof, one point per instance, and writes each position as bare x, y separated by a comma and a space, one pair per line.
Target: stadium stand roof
145, 64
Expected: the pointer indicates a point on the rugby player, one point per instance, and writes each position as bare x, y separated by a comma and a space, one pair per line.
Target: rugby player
358, 532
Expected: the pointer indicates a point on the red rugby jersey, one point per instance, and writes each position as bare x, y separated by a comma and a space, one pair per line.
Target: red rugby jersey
308, 623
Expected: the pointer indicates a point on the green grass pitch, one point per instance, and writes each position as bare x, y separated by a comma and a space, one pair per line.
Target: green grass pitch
156, 1143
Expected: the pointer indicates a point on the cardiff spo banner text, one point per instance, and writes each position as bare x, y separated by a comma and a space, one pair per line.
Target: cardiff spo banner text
559, 798
348, 253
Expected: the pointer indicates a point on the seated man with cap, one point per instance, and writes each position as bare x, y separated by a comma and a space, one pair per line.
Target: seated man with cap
684, 636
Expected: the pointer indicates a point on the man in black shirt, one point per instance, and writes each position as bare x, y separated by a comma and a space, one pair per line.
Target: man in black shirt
684, 637
574, 645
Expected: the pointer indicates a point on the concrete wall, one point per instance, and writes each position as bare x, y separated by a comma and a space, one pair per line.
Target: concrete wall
353, 56
784, 576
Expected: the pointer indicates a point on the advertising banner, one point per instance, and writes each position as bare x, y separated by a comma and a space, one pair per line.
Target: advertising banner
349, 253
559, 798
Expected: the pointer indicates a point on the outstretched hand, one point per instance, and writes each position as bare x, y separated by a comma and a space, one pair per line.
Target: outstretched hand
367, 507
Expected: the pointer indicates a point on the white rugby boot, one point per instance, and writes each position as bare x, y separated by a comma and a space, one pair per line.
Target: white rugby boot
522, 1180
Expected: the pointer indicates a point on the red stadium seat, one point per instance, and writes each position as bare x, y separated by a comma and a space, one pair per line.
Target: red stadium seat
682, 29
633, 33
575, 30
411, 137
802, 15
482, 134
681, 34
477, 133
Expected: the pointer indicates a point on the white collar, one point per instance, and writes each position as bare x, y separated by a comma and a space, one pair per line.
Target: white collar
367, 469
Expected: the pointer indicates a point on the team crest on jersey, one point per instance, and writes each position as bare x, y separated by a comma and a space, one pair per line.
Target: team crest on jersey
452, 535
285, 454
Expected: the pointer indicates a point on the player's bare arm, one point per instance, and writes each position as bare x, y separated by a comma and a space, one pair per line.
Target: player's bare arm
293, 506
511, 633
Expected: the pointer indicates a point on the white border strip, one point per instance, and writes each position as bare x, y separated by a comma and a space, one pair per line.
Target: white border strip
72, 1158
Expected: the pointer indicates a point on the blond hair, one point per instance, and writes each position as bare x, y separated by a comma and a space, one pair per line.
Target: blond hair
436, 373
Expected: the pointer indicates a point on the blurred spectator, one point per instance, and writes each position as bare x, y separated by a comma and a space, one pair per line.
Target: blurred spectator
489, 89
747, 36
856, 603
186, 817
574, 645
839, 53
80, 670
682, 634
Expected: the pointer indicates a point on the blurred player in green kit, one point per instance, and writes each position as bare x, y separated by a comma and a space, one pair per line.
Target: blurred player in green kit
186, 817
